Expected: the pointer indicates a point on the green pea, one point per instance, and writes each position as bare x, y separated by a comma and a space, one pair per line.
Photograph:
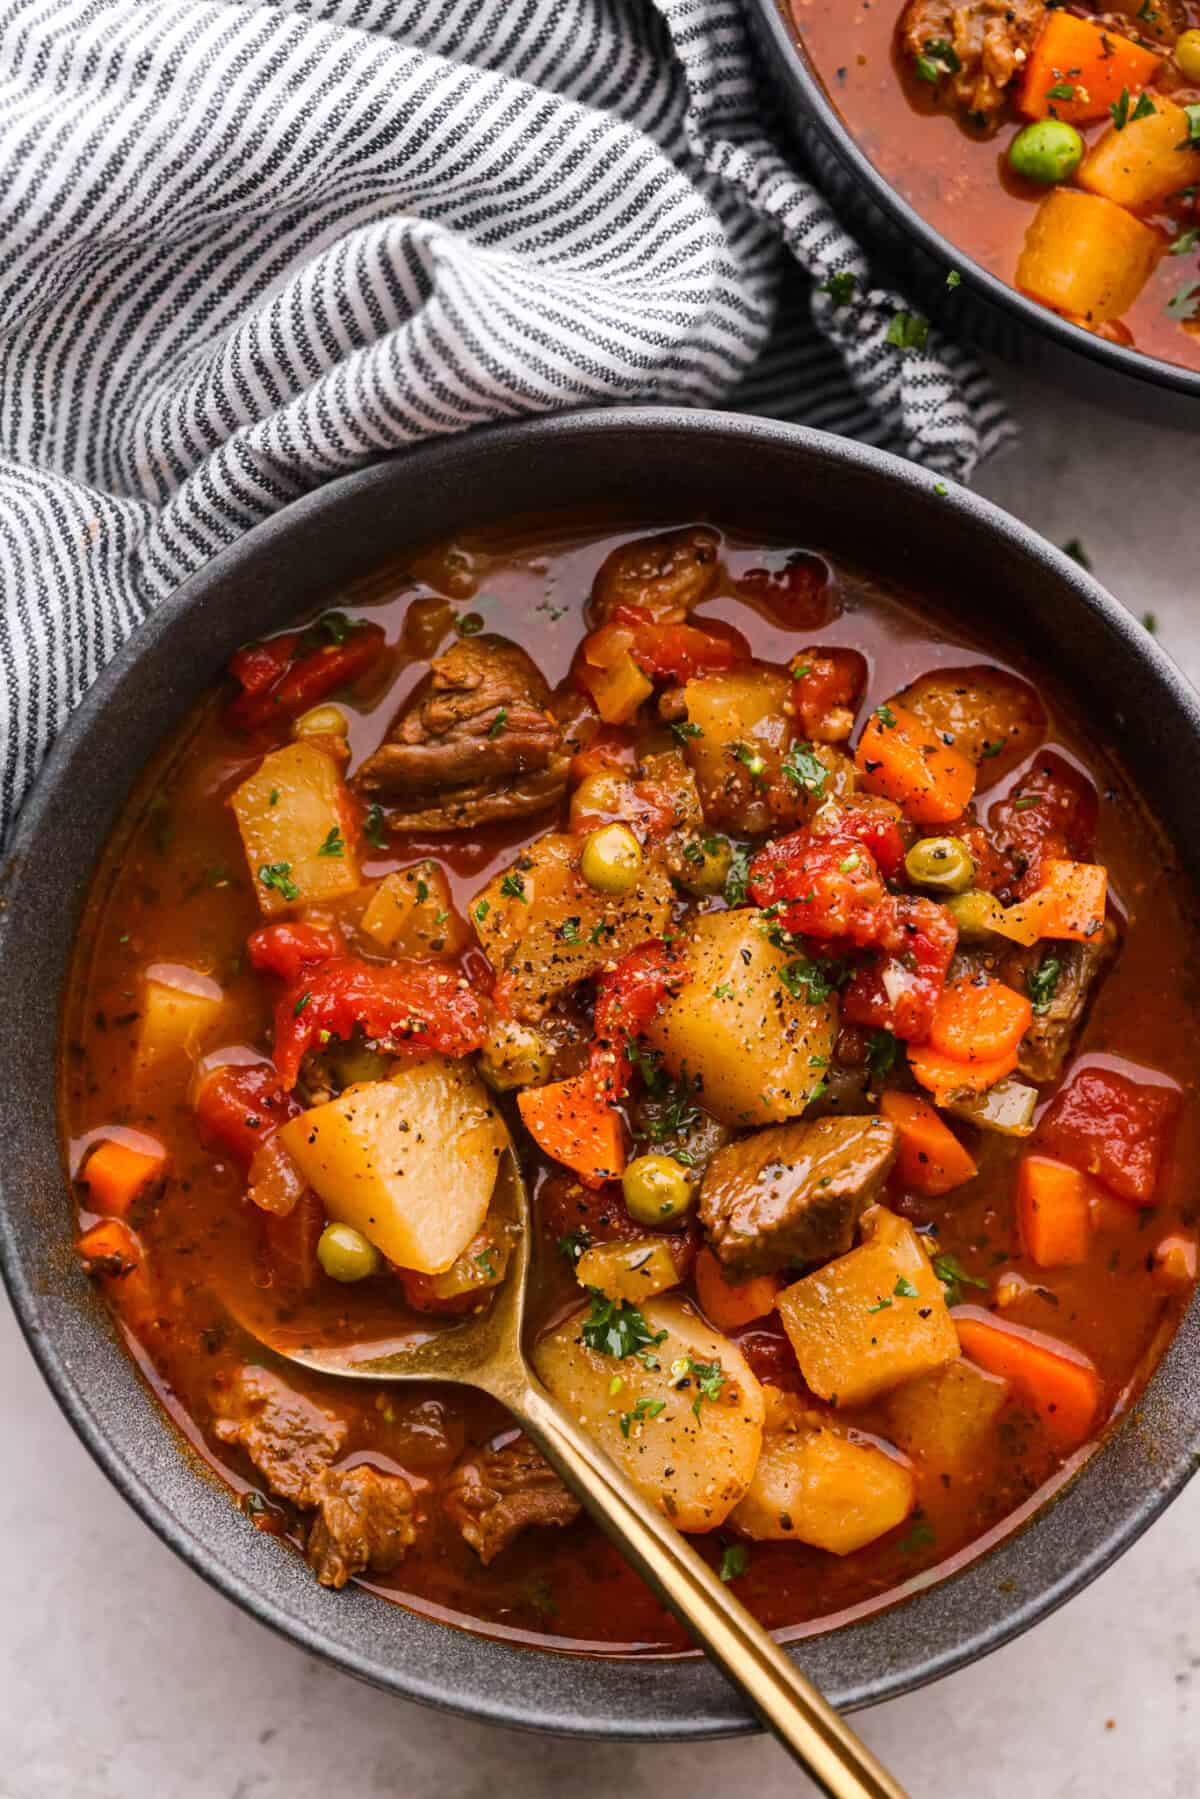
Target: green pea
706, 864
514, 1055
1047, 151
657, 1190
1187, 55
941, 863
346, 1255
975, 913
612, 859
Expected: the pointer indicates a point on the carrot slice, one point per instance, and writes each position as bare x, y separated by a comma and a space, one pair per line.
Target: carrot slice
979, 1019
1054, 1212
931, 1159
1078, 69
113, 1252
730, 1304
903, 759
574, 1127
1079, 895
115, 1174
1055, 1381
944, 1076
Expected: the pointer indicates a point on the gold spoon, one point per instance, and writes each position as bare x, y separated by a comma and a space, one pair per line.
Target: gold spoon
485, 1352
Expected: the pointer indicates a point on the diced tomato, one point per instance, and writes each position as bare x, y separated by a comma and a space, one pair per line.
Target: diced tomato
1112, 1127
677, 651
238, 1107
288, 949
415, 1006
798, 596
898, 990
878, 828
826, 691
822, 886
301, 679
627, 998
290, 1243
609, 752
1049, 813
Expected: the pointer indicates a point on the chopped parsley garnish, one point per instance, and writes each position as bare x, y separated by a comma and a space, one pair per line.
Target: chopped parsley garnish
921, 1536
938, 58
1077, 553
470, 624
991, 749
422, 890
685, 730
1192, 140
331, 627
709, 1377
274, 797
904, 1289
1186, 241
908, 331
642, 1409
882, 1053
881, 1306
953, 1277
481, 911
735, 880
812, 980
334, 843
735, 1559
751, 761
1119, 107
374, 829
804, 768
498, 723
569, 931
953, 279
1185, 304
279, 876
513, 886
723, 991
616, 1328
1144, 108
300, 1004
1023, 801
1150, 622
1041, 984
1065, 90
484, 1260
886, 717
840, 287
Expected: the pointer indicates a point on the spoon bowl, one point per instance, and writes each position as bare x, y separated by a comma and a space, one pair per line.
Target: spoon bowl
485, 1351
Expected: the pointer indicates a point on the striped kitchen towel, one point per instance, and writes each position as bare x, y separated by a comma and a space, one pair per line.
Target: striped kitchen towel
246, 247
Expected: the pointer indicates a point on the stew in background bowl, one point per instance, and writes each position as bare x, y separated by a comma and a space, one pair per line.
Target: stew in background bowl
831, 515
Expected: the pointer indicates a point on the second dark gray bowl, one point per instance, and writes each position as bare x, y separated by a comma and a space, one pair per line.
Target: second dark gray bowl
637, 466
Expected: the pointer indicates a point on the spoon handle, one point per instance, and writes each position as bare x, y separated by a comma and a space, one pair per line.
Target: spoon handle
785, 1700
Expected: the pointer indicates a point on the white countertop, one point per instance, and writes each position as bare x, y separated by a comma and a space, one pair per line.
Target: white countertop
122, 1676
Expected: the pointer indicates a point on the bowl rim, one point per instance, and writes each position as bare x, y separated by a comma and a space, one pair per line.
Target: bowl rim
794, 66
664, 1699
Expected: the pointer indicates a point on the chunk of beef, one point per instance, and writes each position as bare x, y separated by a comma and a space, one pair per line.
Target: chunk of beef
1050, 1039
476, 740
363, 1524
989, 41
793, 1193
666, 575
493, 1494
290, 1440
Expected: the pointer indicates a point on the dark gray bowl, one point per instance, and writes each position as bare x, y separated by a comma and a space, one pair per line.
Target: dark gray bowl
994, 314
639, 465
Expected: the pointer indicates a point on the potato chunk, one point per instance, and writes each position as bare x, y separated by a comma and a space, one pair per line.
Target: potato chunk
739, 714
179, 1012
1143, 162
691, 1455
1086, 257
943, 1419
992, 716
815, 1485
412, 914
752, 1049
873, 1318
633, 1271
411, 1162
293, 820
545, 929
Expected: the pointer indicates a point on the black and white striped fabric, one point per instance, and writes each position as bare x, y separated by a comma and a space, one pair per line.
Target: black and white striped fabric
246, 247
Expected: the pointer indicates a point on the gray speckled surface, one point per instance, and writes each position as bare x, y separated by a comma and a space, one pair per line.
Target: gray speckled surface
124, 1676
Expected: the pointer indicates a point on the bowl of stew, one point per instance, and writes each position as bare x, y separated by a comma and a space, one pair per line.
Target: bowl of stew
649, 789
1030, 170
